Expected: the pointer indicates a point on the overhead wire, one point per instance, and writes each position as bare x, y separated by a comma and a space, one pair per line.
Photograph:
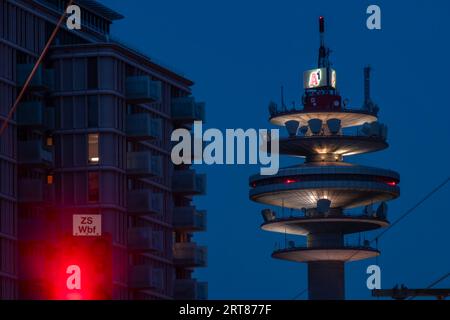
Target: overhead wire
33, 72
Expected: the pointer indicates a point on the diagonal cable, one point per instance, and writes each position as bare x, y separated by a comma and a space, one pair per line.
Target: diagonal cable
33, 72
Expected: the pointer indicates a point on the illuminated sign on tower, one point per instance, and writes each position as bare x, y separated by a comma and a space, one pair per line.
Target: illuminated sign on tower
319, 78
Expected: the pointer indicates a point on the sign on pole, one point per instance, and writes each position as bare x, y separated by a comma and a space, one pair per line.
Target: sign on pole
87, 225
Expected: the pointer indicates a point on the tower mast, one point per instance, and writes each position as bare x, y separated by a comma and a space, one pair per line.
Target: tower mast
324, 52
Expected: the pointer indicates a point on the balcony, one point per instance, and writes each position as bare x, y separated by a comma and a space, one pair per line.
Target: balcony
185, 110
144, 164
43, 79
34, 154
145, 239
35, 191
189, 255
35, 114
142, 202
189, 219
146, 277
140, 126
188, 182
190, 289
141, 89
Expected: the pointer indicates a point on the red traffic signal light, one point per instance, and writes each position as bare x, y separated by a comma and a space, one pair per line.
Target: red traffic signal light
82, 269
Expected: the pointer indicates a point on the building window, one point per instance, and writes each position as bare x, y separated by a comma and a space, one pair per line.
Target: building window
92, 73
93, 157
93, 187
49, 141
50, 179
92, 112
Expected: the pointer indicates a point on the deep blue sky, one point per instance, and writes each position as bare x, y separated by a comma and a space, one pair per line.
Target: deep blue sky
240, 52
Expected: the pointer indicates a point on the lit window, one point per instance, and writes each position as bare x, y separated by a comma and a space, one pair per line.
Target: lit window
93, 156
93, 190
50, 179
49, 141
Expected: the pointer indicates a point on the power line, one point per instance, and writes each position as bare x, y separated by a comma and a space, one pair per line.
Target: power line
436, 189
439, 280
33, 72
407, 212
445, 276
300, 294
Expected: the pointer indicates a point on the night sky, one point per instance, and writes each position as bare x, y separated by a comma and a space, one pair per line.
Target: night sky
239, 53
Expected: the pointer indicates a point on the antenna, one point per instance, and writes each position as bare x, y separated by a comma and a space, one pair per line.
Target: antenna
367, 100
323, 51
283, 105
322, 30
368, 103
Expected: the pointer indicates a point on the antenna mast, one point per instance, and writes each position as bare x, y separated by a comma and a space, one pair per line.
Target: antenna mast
368, 103
367, 100
323, 51
283, 105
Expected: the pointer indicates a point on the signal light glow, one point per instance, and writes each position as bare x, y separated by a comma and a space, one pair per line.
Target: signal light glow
289, 181
82, 269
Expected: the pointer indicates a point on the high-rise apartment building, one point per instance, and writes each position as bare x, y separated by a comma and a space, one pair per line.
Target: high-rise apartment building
92, 137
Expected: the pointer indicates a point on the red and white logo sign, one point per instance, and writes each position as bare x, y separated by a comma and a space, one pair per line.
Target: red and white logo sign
314, 78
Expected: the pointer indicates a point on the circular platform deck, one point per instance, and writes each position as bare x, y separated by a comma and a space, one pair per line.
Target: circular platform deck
344, 184
306, 225
303, 254
348, 117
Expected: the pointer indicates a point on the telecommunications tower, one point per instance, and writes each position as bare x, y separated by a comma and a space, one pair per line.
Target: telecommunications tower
318, 193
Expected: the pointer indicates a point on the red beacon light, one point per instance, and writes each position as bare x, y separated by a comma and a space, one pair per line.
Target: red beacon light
392, 183
290, 180
321, 24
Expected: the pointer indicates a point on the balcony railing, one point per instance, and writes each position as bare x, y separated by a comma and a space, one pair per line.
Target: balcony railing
189, 219
190, 289
145, 239
270, 215
189, 254
292, 246
189, 182
146, 277
276, 110
332, 128
185, 109
140, 126
142, 202
144, 164
141, 89
43, 79
35, 114
35, 191
33, 153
